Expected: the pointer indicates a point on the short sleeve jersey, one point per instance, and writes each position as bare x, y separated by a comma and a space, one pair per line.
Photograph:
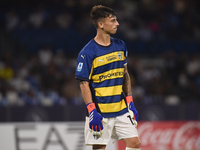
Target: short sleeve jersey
103, 67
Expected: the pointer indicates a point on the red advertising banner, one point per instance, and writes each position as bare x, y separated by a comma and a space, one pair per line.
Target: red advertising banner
171, 135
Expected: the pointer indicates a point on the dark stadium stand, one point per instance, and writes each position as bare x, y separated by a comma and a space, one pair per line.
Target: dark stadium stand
40, 40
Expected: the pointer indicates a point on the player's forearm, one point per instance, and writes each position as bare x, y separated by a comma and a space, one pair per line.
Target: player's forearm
86, 92
126, 82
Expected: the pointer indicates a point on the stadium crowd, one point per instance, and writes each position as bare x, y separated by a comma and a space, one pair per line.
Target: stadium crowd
46, 37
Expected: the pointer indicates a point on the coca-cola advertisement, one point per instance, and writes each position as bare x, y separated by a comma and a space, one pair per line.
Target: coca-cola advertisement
171, 135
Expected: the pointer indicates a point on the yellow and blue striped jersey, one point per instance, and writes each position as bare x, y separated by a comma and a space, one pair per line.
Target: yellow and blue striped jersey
103, 67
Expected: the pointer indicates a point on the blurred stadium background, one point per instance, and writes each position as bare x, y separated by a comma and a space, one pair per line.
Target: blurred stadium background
39, 43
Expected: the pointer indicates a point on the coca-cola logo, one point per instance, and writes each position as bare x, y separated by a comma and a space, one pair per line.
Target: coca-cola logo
188, 136
170, 135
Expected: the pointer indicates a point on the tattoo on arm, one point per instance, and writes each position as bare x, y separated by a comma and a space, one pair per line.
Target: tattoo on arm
126, 82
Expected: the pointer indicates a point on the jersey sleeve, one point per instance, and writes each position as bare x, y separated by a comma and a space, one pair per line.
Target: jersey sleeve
125, 53
84, 65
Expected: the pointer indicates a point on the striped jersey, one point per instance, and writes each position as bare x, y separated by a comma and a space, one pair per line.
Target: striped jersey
103, 67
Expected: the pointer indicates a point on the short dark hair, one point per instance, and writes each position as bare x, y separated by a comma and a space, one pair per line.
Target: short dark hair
99, 12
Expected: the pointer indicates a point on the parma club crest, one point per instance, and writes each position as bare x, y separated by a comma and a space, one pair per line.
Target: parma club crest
120, 55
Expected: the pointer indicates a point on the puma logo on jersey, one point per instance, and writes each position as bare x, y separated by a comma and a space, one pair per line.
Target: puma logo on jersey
83, 56
101, 60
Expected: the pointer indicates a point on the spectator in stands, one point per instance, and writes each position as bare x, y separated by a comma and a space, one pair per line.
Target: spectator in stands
12, 20
6, 72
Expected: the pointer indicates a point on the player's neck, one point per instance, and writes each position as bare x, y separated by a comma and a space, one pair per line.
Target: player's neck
102, 39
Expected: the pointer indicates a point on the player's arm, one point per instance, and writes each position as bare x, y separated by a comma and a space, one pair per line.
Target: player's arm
127, 91
85, 90
126, 82
95, 118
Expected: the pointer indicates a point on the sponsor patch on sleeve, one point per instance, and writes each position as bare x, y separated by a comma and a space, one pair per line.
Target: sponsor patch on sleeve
80, 66
126, 53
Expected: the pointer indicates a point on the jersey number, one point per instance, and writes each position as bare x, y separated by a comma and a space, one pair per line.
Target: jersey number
130, 119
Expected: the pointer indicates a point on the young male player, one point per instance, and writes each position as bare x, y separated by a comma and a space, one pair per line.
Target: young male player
105, 85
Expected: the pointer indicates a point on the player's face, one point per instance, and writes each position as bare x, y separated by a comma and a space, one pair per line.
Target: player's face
110, 24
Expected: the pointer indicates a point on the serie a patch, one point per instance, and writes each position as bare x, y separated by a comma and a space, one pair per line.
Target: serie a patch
80, 66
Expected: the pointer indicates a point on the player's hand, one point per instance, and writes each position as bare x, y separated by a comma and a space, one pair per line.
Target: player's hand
131, 107
95, 120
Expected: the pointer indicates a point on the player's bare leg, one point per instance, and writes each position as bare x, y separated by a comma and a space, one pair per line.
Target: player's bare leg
132, 143
99, 147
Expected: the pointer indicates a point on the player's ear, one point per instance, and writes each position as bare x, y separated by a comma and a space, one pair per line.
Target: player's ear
100, 24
